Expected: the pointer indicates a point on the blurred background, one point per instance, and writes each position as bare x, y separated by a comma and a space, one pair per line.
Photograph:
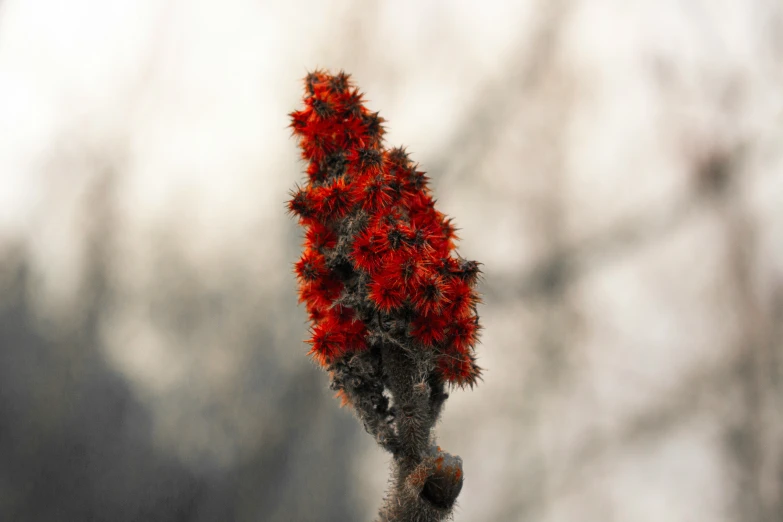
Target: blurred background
616, 165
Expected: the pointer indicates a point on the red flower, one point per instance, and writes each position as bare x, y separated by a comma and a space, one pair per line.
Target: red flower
463, 298
386, 295
378, 257
321, 293
328, 342
332, 201
375, 194
320, 237
367, 250
311, 267
463, 333
459, 369
429, 330
429, 294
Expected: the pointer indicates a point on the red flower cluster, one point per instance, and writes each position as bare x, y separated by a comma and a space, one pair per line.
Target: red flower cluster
377, 263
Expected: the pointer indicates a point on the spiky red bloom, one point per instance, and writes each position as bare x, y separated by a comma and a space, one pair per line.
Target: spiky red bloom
376, 252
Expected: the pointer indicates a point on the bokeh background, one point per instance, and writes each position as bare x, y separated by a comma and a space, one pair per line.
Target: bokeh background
616, 165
